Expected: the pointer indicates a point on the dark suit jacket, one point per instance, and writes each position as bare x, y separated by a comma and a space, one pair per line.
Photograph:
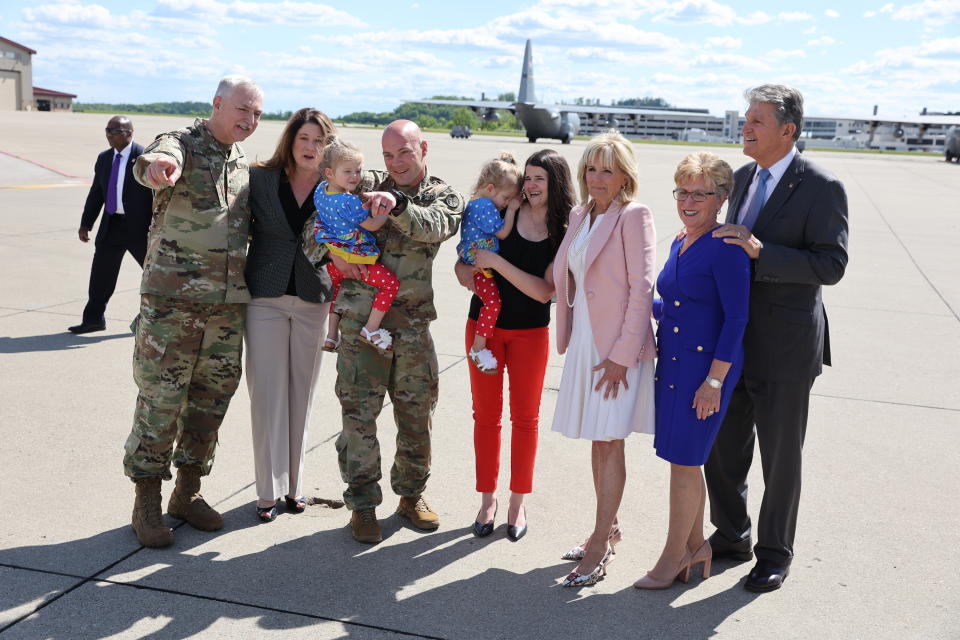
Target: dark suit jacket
803, 228
275, 249
137, 199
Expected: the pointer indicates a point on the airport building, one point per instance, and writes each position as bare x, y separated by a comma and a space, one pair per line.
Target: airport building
664, 124
16, 76
17, 92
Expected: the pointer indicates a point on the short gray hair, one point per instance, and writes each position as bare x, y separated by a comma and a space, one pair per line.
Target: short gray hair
787, 101
232, 82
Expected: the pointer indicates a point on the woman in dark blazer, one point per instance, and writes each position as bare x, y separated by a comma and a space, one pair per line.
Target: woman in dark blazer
287, 313
704, 292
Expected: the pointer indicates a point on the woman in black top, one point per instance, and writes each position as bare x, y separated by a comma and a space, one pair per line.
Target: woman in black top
287, 315
521, 339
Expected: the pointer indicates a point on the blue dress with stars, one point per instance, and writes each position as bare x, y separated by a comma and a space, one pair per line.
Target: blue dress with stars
481, 220
702, 313
337, 225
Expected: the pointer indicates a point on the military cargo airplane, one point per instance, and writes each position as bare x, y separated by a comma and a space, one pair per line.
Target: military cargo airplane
557, 121
951, 146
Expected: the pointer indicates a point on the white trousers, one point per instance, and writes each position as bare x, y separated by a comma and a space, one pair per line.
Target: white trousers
284, 337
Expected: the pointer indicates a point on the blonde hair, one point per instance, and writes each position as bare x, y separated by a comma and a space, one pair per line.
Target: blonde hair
500, 172
716, 172
338, 151
609, 150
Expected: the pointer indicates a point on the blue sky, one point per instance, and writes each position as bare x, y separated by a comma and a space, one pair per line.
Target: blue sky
370, 55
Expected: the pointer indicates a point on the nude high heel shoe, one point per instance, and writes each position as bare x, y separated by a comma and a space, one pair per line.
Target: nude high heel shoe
682, 573
703, 554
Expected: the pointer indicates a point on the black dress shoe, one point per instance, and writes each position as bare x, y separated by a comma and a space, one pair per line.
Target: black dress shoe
766, 576
722, 550
514, 532
483, 529
87, 327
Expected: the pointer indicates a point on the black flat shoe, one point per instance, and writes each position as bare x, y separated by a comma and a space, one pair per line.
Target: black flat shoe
766, 576
296, 505
267, 514
87, 327
514, 532
483, 529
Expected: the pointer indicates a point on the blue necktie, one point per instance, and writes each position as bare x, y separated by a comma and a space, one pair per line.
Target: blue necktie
112, 184
749, 218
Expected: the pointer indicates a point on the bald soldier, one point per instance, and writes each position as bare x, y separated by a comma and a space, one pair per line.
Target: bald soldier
189, 332
424, 211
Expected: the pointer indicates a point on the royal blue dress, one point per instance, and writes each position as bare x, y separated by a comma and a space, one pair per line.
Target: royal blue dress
702, 310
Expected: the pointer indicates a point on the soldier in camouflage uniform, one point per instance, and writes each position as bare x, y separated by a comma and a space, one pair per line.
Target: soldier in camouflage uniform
188, 336
424, 211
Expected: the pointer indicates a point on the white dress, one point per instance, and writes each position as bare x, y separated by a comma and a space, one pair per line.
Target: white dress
582, 412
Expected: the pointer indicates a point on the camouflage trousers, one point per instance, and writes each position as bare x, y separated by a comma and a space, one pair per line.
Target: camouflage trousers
410, 375
186, 363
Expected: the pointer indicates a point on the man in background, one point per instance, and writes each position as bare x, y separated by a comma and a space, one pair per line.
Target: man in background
127, 207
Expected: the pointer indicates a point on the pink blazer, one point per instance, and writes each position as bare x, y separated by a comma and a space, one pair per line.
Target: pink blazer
619, 283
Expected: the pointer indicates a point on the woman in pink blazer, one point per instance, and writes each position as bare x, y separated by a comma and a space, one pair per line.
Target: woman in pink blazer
604, 274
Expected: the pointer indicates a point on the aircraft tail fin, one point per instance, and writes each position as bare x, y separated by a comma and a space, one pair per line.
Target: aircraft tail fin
527, 92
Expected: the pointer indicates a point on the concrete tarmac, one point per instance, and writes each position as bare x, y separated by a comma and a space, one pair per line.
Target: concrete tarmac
878, 531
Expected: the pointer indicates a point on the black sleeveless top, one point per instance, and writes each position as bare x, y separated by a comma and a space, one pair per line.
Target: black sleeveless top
519, 311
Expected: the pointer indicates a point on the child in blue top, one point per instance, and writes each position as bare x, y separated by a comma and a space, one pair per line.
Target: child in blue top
497, 189
344, 226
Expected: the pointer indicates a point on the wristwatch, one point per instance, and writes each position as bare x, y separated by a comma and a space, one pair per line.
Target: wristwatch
715, 383
401, 199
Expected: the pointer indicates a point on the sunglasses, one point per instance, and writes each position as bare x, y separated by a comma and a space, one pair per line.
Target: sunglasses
116, 130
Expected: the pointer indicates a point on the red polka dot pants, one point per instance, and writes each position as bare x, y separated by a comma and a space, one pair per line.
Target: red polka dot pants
378, 276
489, 295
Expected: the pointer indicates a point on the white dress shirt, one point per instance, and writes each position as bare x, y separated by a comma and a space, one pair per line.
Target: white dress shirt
125, 154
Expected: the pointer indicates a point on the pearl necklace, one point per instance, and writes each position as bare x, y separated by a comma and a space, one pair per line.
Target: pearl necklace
576, 252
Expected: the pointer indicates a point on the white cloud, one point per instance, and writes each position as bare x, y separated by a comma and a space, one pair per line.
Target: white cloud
887, 8
869, 14
756, 17
285, 12
729, 60
92, 15
725, 42
822, 41
793, 16
785, 54
831, 13
810, 30
930, 11
697, 12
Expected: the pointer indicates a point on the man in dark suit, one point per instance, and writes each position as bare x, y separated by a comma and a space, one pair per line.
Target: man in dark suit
127, 207
790, 216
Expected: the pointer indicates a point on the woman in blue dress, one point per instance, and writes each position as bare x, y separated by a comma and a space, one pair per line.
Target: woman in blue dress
702, 310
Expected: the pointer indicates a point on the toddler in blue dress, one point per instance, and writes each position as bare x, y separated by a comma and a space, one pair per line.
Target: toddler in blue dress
344, 226
497, 189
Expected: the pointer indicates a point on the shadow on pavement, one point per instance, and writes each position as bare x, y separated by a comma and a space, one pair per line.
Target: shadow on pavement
406, 588
54, 342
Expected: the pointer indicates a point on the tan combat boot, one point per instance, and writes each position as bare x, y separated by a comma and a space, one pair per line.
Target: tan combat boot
419, 513
186, 503
364, 526
147, 517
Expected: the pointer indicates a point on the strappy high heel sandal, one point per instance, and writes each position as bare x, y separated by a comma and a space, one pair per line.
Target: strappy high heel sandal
577, 552
576, 579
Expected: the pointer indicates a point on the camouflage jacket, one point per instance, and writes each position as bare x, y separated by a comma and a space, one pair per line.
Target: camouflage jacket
196, 248
408, 244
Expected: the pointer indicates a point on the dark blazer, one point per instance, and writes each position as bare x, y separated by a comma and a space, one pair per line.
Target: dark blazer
275, 249
803, 228
137, 199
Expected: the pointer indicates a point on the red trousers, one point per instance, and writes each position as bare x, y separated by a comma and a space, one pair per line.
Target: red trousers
523, 353
489, 295
379, 276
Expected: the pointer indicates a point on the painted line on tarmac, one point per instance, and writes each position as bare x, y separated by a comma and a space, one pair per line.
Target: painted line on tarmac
42, 166
58, 185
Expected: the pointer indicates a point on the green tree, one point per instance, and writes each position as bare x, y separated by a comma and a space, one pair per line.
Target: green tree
465, 116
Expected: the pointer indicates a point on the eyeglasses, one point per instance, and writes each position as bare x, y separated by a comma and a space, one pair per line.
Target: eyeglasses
116, 130
698, 196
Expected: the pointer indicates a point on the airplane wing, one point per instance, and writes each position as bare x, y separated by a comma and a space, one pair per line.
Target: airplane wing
478, 104
932, 120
